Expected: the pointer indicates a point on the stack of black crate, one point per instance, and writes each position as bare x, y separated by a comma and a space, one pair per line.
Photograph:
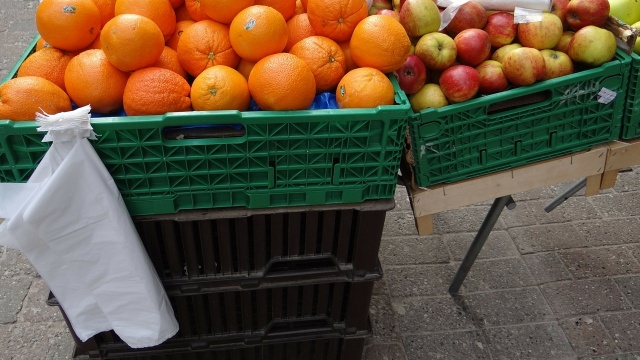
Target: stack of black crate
280, 283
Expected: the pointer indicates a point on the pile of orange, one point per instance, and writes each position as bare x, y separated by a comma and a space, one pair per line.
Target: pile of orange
157, 56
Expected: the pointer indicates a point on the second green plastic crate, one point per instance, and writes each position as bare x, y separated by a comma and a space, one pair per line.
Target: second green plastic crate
631, 118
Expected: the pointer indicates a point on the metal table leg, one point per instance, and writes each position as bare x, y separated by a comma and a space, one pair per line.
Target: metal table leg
478, 242
566, 195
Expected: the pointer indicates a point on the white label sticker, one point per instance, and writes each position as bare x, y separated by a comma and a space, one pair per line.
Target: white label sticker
606, 96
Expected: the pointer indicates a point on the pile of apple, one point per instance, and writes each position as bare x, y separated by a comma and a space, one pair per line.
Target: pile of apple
483, 52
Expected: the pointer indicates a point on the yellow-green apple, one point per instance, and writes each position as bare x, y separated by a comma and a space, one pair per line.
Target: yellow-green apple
592, 45
636, 48
523, 66
377, 5
459, 83
429, 96
563, 43
394, 14
397, 4
436, 50
559, 9
543, 34
556, 64
412, 75
500, 52
581, 13
492, 79
473, 46
626, 10
471, 15
419, 17
501, 28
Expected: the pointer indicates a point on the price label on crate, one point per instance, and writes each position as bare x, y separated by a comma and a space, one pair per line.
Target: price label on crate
606, 96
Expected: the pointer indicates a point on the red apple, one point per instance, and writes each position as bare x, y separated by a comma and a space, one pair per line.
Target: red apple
419, 17
412, 75
556, 64
387, 12
471, 15
436, 50
459, 83
377, 5
563, 43
499, 54
581, 13
559, 9
523, 66
501, 29
473, 46
492, 79
543, 34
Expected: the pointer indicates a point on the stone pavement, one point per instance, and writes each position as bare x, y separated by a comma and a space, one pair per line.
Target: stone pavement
559, 285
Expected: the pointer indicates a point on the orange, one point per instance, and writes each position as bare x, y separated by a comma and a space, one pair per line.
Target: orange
107, 10
182, 13
244, 67
282, 82
176, 3
204, 44
299, 28
285, 7
195, 10
299, 8
380, 42
160, 11
48, 63
169, 60
220, 88
22, 97
364, 88
304, 3
258, 31
96, 44
92, 80
325, 59
336, 19
131, 41
347, 56
156, 91
181, 26
68, 24
41, 44
223, 11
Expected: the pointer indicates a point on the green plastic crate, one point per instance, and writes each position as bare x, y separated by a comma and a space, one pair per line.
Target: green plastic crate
519, 126
269, 158
631, 117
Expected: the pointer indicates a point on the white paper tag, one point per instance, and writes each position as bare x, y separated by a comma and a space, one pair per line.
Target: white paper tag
524, 15
606, 96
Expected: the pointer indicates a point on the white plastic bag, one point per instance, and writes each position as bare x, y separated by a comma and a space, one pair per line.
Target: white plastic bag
69, 219
532, 8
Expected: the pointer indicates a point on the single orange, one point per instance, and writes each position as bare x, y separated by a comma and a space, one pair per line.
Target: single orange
68, 24
244, 67
92, 80
285, 7
364, 88
205, 44
181, 26
156, 91
195, 10
22, 97
220, 88
176, 3
336, 19
159, 11
49, 63
299, 8
182, 13
299, 28
169, 60
347, 56
325, 59
223, 11
282, 82
380, 42
107, 10
131, 41
41, 44
258, 31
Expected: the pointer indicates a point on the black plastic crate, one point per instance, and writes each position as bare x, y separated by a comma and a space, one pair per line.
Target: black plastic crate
235, 249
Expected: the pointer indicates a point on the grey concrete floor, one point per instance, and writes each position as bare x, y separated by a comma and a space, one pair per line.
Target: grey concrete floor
559, 285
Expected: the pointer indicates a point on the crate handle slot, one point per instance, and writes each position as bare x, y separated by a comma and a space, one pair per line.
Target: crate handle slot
519, 102
297, 326
206, 133
301, 266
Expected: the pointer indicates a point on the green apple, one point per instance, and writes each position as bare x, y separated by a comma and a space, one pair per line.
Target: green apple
626, 10
592, 45
429, 96
636, 49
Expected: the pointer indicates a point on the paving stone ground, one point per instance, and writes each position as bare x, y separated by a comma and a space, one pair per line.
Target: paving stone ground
563, 285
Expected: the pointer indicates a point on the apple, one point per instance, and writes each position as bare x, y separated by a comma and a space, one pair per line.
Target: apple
473, 46
563, 43
626, 10
397, 4
559, 9
377, 5
459, 83
592, 45
492, 79
412, 75
556, 64
523, 66
419, 17
636, 48
471, 15
436, 50
543, 34
499, 54
394, 14
501, 29
581, 13
429, 96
